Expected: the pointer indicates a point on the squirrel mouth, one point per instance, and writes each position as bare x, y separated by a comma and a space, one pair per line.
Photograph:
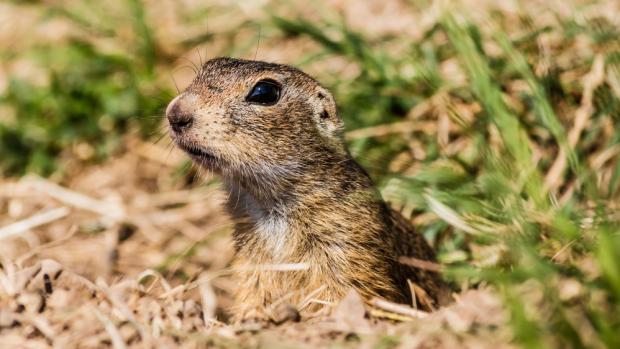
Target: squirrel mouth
200, 155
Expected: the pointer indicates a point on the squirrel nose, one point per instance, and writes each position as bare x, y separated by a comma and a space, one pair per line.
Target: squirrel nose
178, 118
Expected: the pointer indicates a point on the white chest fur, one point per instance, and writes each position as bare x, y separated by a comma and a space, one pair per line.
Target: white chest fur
273, 231
271, 227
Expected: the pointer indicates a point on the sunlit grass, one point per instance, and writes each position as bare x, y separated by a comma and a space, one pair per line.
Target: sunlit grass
516, 202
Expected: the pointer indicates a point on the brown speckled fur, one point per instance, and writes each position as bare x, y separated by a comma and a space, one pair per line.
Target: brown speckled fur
296, 194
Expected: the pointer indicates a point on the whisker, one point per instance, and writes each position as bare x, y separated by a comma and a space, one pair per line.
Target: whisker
160, 138
258, 43
207, 43
199, 56
196, 69
175, 82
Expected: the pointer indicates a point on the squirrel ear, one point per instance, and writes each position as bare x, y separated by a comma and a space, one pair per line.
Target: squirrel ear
326, 114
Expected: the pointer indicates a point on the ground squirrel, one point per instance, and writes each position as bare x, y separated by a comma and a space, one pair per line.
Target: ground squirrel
296, 195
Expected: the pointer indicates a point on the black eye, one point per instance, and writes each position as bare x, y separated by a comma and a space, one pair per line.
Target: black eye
265, 92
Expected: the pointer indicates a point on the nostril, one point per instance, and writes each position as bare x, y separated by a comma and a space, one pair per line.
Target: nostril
181, 124
178, 118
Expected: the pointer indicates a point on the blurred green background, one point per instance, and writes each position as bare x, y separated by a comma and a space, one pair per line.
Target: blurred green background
494, 126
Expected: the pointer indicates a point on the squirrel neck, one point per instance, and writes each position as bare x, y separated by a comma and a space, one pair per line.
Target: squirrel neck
321, 183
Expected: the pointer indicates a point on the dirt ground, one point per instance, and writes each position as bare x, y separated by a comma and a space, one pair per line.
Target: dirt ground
122, 257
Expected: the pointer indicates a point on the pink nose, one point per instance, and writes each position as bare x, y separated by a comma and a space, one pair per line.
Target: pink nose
179, 119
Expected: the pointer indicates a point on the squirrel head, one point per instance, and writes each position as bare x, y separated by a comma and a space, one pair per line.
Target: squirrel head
240, 116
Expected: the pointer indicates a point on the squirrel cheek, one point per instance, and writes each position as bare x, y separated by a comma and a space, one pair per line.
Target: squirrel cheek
211, 120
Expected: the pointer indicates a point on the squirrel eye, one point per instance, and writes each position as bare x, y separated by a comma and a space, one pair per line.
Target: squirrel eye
265, 92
